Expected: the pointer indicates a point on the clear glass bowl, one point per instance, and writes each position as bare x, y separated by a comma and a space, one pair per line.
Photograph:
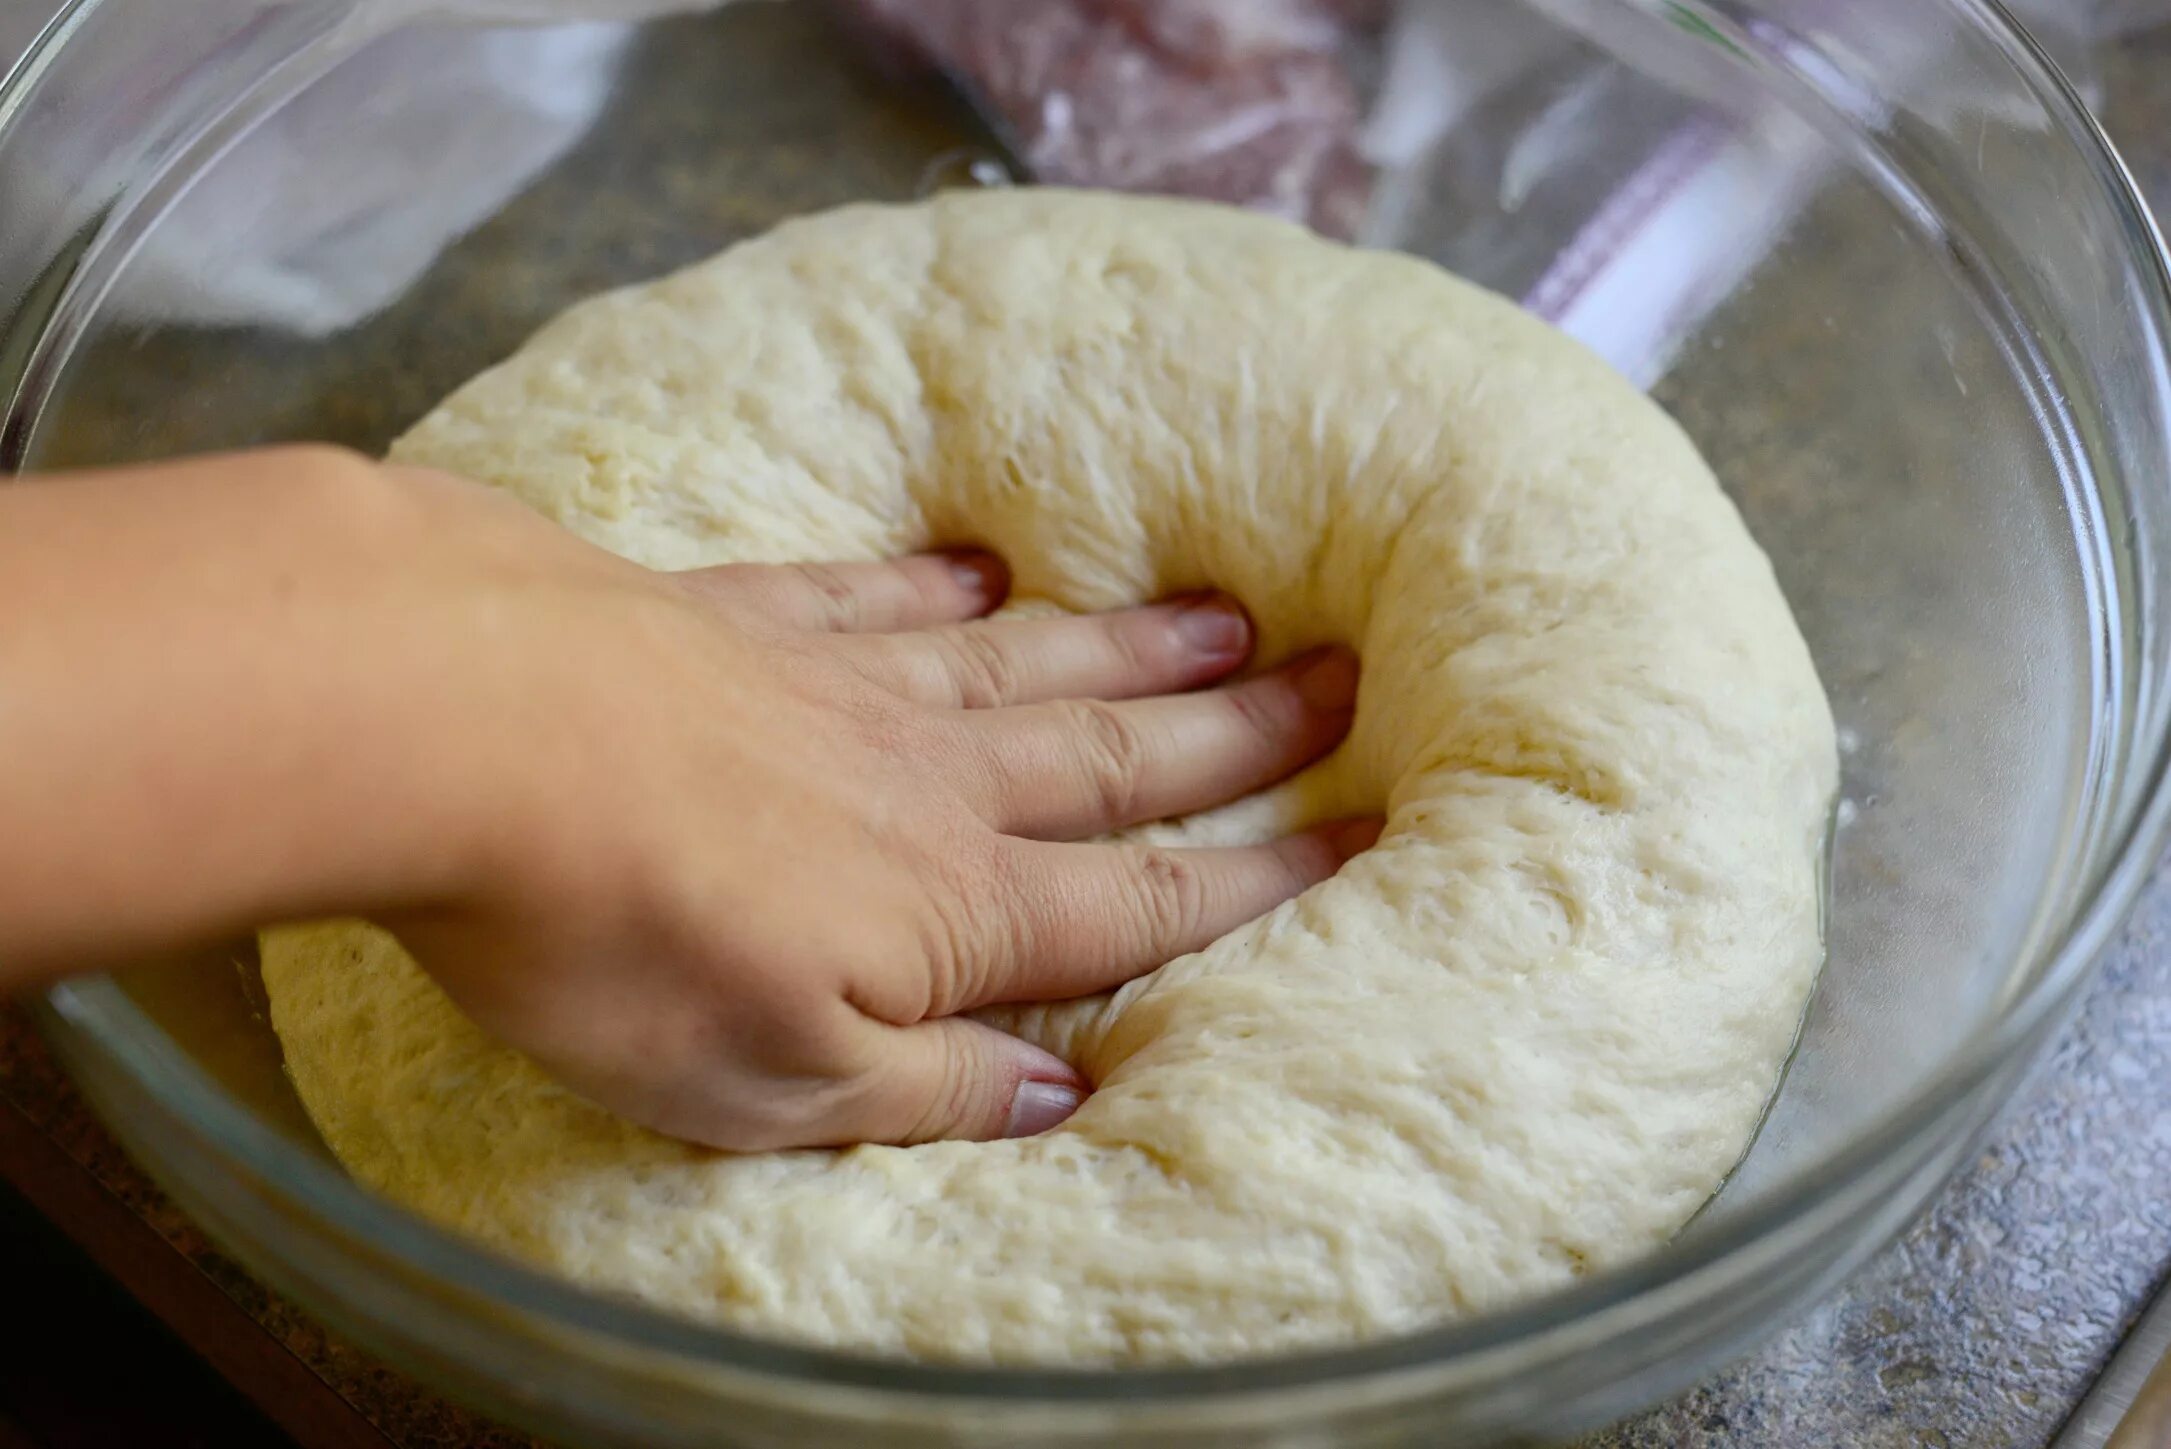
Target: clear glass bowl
1941, 401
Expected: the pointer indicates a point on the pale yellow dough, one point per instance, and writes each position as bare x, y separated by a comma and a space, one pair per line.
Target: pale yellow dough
1526, 1036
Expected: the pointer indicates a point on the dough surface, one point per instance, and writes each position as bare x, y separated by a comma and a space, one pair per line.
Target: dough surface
1525, 1036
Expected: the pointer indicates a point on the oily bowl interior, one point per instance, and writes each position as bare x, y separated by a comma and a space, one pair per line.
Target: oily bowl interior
1935, 384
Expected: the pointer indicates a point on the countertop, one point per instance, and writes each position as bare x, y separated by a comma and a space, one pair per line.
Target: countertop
1981, 1327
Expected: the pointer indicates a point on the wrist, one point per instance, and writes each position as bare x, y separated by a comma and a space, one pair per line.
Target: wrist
204, 667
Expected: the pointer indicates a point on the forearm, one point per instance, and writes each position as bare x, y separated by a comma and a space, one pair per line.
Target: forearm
199, 722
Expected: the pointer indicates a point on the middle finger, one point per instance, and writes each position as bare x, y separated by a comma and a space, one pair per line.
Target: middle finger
1071, 770
1124, 654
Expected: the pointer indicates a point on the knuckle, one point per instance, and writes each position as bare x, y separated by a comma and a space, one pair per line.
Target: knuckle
1299, 862
885, 723
885, 671
1136, 650
934, 591
972, 925
985, 675
950, 950
1264, 715
751, 596
952, 1106
1112, 755
1172, 894
833, 596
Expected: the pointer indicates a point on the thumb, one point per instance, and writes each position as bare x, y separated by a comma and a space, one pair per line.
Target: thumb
956, 1079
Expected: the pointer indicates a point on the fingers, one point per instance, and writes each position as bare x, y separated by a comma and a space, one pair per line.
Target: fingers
908, 593
953, 1079
1078, 919
1160, 649
1068, 920
1081, 768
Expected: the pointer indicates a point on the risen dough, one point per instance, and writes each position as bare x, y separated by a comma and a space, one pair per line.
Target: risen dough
1526, 1035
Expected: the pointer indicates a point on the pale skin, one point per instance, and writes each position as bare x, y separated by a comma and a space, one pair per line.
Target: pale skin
732, 852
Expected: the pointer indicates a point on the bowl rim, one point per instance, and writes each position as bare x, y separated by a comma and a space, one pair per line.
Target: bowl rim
95, 1017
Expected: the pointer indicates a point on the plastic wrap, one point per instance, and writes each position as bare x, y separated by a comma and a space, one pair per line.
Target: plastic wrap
1243, 101
480, 112
1254, 102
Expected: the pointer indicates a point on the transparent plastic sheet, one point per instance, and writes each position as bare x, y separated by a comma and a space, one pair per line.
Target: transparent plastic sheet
462, 116
1335, 112
1250, 102
1492, 101
478, 113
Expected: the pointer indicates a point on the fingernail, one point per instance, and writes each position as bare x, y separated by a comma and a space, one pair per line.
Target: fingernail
1039, 1106
1354, 837
1329, 681
1214, 626
979, 573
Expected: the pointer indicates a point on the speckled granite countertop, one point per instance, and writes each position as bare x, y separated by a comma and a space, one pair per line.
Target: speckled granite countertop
1981, 1327
1984, 1325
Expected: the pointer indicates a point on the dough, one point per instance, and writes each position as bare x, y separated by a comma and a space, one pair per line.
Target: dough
1526, 1036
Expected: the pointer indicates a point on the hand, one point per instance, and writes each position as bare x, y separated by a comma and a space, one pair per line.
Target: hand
790, 822
728, 851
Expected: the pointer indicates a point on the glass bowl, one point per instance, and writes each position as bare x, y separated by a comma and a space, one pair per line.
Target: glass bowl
1936, 385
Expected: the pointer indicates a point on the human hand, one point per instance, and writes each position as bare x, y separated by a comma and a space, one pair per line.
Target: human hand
731, 852
778, 827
